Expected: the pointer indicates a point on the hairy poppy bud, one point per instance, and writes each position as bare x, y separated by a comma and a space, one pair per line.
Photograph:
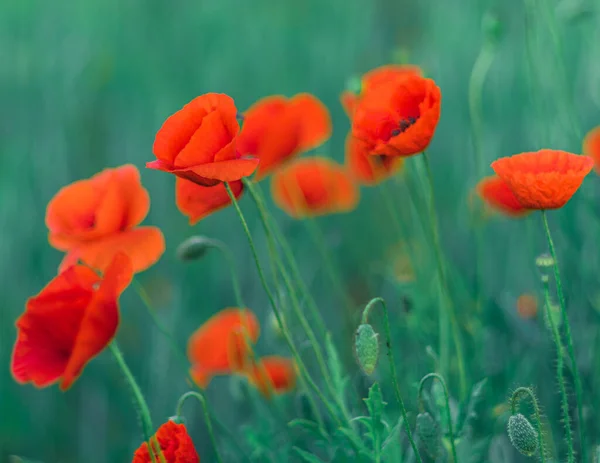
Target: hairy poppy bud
522, 434
194, 248
367, 348
429, 435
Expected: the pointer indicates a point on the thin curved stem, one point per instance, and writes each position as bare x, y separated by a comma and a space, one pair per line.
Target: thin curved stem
388, 335
141, 405
181, 357
447, 308
235, 282
560, 374
202, 401
569, 338
447, 401
282, 327
536, 410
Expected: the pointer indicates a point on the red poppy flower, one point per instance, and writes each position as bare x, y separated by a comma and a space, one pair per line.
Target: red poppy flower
591, 146
398, 118
175, 444
196, 201
527, 306
545, 179
277, 128
219, 347
273, 374
496, 192
96, 218
368, 169
314, 186
68, 323
198, 142
375, 78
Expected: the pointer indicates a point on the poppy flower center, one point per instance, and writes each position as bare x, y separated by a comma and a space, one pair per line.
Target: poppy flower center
403, 125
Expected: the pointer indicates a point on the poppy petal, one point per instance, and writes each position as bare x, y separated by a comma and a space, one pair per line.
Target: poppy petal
591, 146
368, 169
196, 202
227, 171
273, 373
496, 192
315, 127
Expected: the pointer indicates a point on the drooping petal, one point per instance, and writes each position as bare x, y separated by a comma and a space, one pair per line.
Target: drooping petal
197, 202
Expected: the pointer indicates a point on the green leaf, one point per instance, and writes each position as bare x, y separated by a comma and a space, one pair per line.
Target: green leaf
375, 405
470, 411
340, 381
308, 457
393, 436
357, 444
309, 426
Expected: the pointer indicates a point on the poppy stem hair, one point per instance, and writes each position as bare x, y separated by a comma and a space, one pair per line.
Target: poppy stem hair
514, 402
301, 366
140, 403
388, 341
447, 307
447, 402
569, 338
202, 401
184, 363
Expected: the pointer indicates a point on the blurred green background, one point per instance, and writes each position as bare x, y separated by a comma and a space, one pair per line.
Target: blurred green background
86, 84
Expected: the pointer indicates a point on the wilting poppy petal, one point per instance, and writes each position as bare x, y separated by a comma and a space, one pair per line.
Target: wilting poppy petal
591, 146
196, 202
496, 192
68, 323
143, 245
545, 179
209, 348
175, 444
314, 186
198, 142
273, 374
368, 169
277, 128
398, 118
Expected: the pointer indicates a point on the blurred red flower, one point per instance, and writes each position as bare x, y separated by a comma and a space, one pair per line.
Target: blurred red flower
277, 128
96, 218
68, 323
591, 146
368, 169
198, 142
496, 192
273, 374
175, 444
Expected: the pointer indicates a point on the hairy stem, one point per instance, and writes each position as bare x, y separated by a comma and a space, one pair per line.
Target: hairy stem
514, 400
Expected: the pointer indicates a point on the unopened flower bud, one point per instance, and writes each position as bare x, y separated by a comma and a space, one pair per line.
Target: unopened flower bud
429, 435
522, 434
366, 345
194, 248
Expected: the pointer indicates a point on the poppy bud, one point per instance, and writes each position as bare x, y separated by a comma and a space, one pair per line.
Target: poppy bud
194, 248
367, 348
429, 435
522, 434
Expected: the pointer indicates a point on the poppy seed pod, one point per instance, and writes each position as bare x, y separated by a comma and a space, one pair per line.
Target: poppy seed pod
522, 434
366, 344
194, 248
429, 434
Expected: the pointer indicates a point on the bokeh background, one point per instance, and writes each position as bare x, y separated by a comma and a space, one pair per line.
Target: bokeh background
85, 85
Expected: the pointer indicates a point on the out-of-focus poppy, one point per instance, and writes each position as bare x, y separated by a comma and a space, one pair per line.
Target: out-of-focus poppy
368, 169
398, 118
68, 323
220, 346
196, 201
497, 194
375, 78
314, 186
591, 146
175, 444
277, 128
545, 179
527, 306
93, 219
198, 142
273, 374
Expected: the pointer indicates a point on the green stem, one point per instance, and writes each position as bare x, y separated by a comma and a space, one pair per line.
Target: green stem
141, 405
569, 338
262, 212
536, 410
181, 357
560, 374
231, 264
301, 366
447, 401
202, 401
478, 75
392, 362
447, 307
